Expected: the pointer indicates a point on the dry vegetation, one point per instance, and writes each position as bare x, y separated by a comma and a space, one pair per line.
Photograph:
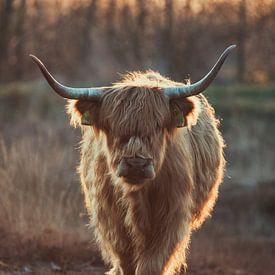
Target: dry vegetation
43, 222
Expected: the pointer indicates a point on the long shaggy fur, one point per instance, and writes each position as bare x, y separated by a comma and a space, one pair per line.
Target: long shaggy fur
145, 229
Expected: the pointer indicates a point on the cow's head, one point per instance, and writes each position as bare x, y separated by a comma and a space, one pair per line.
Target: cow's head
136, 118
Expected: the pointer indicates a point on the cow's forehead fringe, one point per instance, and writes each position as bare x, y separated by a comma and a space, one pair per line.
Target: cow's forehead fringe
136, 104
147, 79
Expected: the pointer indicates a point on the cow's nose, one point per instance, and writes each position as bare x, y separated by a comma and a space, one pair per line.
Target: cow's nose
137, 162
136, 170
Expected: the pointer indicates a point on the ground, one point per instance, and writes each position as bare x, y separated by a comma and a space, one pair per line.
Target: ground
224, 257
223, 246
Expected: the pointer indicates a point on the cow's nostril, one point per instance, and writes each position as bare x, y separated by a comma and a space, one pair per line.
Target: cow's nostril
137, 162
136, 170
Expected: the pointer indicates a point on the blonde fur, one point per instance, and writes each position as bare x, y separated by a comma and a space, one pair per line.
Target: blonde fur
145, 229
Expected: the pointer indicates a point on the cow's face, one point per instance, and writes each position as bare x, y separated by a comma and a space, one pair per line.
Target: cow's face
135, 123
135, 126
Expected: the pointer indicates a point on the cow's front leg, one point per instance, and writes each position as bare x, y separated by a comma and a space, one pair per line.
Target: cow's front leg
166, 259
116, 270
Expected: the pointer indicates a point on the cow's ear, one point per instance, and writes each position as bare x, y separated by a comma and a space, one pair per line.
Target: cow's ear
82, 112
185, 111
87, 118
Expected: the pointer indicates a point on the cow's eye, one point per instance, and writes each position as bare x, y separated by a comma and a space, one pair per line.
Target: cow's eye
125, 139
159, 128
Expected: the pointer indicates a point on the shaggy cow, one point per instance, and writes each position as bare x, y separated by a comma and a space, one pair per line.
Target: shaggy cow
151, 163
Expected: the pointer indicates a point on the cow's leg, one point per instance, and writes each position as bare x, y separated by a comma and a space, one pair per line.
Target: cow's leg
160, 229
120, 258
116, 270
167, 258
122, 269
121, 262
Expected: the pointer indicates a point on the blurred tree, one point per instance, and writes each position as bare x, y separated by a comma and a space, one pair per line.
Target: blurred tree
6, 32
242, 40
167, 38
140, 33
185, 51
110, 25
20, 42
86, 34
127, 34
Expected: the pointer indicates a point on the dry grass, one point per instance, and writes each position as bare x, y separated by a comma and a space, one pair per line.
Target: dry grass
39, 189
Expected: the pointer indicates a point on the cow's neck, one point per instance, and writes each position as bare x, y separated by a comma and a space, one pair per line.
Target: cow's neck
167, 195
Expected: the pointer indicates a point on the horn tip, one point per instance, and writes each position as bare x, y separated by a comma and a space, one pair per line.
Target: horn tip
33, 57
234, 46
36, 60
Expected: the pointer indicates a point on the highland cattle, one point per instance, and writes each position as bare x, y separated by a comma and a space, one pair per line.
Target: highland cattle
151, 164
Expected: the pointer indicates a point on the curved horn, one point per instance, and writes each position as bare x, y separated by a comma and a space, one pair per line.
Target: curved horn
93, 94
201, 85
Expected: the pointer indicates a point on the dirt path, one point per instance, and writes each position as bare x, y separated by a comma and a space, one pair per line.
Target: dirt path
207, 256
52, 268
